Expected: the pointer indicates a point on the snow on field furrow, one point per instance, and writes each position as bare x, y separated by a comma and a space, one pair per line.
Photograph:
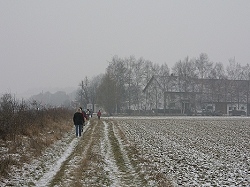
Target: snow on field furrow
202, 162
110, 166
133, 178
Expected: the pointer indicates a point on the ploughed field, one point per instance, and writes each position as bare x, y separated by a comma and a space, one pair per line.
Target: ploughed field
194, 151
145, 151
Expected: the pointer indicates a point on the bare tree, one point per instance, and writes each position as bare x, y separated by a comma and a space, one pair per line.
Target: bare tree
236, 73
107, 94
246, 72
217, 71
147, 74
93, 86
203, 65
234, 70
118, 71
164, 82
186, 71
83, 95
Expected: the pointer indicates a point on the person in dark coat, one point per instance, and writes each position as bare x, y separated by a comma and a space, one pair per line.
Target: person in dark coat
78, 122
84, 115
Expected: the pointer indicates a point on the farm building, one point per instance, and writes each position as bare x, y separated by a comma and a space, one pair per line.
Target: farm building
186, 95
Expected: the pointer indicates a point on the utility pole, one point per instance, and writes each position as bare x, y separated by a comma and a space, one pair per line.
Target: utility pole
248, 93
81, 85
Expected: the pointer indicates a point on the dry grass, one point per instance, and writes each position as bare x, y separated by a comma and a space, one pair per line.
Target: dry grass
90, 165
31, 145
5, 165
26, 132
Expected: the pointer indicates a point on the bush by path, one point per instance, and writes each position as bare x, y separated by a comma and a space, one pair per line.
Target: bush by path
25, 128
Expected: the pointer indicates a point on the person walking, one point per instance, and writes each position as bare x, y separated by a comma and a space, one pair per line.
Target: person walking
78, 122
84, 117
88, 114
99, 114
91, 113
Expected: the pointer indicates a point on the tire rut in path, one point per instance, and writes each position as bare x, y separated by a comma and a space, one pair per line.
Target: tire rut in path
49, 176
75, 170
99, 159
117, 160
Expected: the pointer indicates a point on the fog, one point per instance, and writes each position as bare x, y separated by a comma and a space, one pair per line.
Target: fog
52, 45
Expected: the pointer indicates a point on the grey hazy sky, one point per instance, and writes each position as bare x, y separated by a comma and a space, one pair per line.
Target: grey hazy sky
56, 43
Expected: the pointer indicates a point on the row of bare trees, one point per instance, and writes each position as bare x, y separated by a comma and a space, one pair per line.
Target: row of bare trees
120, 89
203, 68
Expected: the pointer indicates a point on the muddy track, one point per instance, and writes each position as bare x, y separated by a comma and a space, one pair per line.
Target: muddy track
99, 158
103, 156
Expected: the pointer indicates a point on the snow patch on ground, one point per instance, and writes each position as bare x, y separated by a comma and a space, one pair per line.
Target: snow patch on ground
110, 164
48, 176
193, 151
40, 172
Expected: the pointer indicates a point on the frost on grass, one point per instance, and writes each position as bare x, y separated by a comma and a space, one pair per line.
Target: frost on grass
190, 151
40, 171
33, 173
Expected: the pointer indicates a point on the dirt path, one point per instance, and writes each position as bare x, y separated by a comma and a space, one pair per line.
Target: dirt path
99, 159
144, 152
103, 156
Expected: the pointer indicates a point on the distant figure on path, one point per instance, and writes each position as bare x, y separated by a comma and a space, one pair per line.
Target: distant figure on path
78, 122
89, 111
88, 114
99, 114
84, 115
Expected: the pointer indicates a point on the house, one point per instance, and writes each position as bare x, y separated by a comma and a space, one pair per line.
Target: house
189, 95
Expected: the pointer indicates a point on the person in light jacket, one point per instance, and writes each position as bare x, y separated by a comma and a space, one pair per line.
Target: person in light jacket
78, 122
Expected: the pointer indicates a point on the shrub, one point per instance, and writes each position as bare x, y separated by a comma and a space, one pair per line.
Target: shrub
25, 127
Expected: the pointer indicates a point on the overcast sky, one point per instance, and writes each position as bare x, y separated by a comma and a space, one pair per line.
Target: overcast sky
56, 43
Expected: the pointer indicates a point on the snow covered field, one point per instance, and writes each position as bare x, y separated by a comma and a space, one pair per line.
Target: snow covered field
187, 151
195, 151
